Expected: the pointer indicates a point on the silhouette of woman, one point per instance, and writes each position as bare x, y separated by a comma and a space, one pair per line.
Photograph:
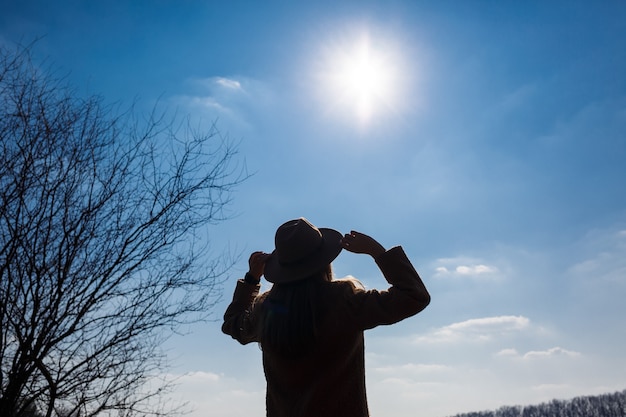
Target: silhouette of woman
310, 326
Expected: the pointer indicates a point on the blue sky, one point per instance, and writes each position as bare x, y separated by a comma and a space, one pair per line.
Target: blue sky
489, 141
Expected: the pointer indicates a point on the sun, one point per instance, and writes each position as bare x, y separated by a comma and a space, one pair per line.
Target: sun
363, 79
360, 77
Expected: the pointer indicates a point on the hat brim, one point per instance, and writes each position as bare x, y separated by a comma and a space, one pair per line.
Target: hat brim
278, 273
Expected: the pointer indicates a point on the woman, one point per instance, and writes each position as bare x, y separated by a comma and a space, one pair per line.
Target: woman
309, 326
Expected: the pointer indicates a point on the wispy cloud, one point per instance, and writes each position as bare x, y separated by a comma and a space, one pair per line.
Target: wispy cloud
522, 96
555, 351
463, 267
605, 257
227, 83
228, 98
209, 393
538, 354
204, 102
480, 329
200, 377
412, 369
213, 85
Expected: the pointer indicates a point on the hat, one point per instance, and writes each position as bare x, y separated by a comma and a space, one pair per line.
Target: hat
301, 250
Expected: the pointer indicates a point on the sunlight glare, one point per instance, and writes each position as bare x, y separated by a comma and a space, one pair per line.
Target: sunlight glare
361, 78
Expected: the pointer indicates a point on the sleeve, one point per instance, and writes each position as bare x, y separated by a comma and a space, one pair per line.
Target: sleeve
406, 296
239, 322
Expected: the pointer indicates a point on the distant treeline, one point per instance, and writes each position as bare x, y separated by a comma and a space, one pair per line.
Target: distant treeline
605, 405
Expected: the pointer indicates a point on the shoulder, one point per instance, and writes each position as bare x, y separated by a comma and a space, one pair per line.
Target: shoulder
348, 282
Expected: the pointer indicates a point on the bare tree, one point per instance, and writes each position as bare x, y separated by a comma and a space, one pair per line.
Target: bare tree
99, 221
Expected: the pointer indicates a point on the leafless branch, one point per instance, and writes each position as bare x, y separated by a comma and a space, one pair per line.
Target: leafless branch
99, 256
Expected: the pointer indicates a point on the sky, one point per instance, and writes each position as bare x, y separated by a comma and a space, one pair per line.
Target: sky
488, 138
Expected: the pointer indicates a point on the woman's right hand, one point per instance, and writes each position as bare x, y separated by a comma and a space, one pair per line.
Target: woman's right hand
257, 263
357, 242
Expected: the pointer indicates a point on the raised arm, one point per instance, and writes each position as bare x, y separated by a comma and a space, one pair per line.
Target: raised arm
406, 296
238, 321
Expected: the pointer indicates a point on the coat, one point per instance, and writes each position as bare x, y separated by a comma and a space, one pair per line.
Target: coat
330, 380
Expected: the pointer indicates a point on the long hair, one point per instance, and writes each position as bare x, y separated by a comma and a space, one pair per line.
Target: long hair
290, 314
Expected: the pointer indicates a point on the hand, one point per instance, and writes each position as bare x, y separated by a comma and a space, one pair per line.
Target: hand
357, 242
257, 263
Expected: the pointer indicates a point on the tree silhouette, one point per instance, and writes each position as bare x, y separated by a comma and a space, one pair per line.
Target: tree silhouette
604, 405
100, 214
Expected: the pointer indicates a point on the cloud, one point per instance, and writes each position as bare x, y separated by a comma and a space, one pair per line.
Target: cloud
218, 85
462, 267
200, 377
605, 257
231, 99
204, 102
412, 369
467, 270
521, 97
498, 322
508, 353
538, 354
555, 351
559, 390
227, 83
209, 393
480, 329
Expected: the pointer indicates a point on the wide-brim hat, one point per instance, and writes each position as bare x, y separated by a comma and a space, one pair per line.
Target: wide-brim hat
301, 250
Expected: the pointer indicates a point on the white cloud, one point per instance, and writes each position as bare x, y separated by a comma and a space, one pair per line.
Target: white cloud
227, 83
510, 352
231, 99
538, 354
412, 369
480, 329
555, 351
200, 377
209, 393
220, 85
475, 269
465, 268
508, 322
203, 102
